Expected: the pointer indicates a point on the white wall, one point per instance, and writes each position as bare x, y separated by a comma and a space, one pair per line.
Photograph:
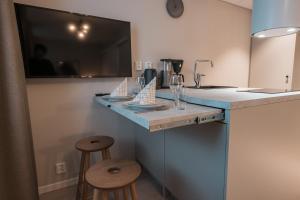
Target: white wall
271, 60
62, 111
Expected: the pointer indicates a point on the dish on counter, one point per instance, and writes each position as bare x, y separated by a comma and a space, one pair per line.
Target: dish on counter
118, 98
137, 106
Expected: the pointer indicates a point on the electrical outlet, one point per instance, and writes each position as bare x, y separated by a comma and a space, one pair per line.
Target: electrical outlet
139, 65
61, 168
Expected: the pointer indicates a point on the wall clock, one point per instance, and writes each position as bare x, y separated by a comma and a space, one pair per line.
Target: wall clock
175, 8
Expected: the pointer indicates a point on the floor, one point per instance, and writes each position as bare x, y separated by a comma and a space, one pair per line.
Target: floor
146, 187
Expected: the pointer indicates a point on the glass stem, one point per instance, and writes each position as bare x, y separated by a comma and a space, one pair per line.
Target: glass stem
177, 99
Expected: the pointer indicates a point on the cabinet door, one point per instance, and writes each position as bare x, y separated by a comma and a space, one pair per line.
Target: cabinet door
196, 161
190, 161
272, 59
149, 151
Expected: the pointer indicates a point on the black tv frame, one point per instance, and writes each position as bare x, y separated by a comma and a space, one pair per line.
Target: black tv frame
28, 76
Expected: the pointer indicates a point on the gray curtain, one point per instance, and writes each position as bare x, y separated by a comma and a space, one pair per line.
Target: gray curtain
17, 166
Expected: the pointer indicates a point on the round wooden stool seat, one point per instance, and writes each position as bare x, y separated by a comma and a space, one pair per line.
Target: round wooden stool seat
110, 175
94, 143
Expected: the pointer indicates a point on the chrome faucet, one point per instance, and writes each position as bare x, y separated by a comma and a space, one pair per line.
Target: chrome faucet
198, 76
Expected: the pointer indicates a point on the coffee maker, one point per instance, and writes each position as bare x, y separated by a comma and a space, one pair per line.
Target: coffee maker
170, 66
166, 73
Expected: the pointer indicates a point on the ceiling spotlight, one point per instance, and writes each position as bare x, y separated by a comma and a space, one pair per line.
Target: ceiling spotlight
85, 31
81, 35
86, 26
291, 30
72, 27
261, 36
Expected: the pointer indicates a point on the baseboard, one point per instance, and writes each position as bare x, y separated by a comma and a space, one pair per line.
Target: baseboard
58, 185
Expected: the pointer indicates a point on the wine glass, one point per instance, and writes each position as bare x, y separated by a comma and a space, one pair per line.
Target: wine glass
176, 86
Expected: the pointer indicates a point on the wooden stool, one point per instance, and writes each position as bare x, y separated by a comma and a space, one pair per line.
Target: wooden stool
87, 146
113, 176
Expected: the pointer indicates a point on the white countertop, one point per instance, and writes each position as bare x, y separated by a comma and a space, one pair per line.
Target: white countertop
202, 111
230, 98
165, 119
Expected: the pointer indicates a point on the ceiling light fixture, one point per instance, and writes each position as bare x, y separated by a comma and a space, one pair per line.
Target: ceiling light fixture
80, 29
85, 26
275, 17
72, 27
291, 30
81, 35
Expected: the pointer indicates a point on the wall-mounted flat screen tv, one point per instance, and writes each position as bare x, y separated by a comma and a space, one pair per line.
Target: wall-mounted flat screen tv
58, 44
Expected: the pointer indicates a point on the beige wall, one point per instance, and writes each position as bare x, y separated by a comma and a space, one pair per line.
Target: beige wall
62, 110
271, 60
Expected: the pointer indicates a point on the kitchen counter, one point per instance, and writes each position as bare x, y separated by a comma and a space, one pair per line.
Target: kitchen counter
258, 145
230, 98
203, 106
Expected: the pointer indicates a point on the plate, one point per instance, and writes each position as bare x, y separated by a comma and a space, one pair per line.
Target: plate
136, 105
117, 98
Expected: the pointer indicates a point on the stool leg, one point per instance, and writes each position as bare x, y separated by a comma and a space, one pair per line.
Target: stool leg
104, 195
125, 193
80, 177
85, 185
133, 191
96, 194
117, 195
104, 157
108, 156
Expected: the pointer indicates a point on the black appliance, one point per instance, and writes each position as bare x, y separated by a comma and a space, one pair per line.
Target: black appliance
177, 66
63, 44
149, 74
166, 73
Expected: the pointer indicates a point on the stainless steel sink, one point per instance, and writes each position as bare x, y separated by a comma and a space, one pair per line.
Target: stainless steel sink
207, 87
